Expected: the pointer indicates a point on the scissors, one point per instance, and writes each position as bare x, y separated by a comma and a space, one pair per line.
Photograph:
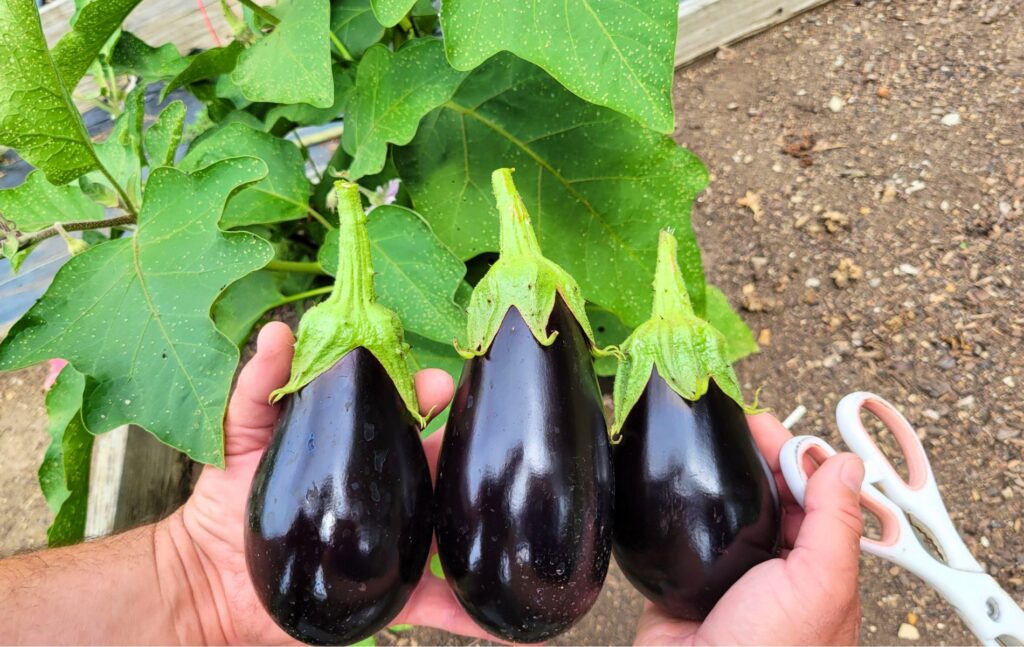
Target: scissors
906, 508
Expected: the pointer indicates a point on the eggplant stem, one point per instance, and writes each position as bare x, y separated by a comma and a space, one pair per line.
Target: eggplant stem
354, 284
517, 235
670, 296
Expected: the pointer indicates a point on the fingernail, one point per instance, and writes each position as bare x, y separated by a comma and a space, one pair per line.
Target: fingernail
851, 474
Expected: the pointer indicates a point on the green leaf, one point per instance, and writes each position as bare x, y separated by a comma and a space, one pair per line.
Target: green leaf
132, 55
132, 314
390, 12
36, 204
353, 22
37, 116
615, 54
282, 195
599, 185
739, 340
121, 152
393, 91
94, 24
162, 138
64, 474
416, 275
205, 66
293, 63
244, 302
304, 114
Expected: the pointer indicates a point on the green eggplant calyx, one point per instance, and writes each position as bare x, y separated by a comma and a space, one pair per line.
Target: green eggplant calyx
522, 278
688, 351
351, 317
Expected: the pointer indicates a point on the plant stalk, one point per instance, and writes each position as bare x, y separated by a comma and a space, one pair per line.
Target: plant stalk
353, 285
264, 15
298, 267
670, 296
79, 225
517, 237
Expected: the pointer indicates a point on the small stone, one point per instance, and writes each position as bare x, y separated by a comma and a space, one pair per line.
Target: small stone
1007, 492
812, 282
835, 104
912, 618
764, 338
908, 631
1009, 381
915, 186
952, 119
985, 542
751, 201
834, 221
883, 92
889, 193
875, 282
907, 268
732, 106
846, 272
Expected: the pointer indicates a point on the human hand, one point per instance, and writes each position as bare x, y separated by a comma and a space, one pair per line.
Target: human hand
807, 596
208, 530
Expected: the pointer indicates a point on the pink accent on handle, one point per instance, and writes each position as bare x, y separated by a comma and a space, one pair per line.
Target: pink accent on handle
890, 524
910, 444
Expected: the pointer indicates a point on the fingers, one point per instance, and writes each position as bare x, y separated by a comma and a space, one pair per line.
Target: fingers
434, 605
770, 436
828, 542
251, 418
434, 390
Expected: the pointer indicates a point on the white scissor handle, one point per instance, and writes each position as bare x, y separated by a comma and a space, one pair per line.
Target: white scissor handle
918, 495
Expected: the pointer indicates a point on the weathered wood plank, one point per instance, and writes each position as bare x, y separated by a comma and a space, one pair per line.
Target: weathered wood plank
706, 25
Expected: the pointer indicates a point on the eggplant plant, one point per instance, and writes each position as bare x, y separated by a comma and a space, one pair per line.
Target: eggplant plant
523, 499
339, 525
199, 204
696, 506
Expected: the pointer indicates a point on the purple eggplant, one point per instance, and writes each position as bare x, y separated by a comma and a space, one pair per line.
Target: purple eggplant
523, 500
696, 505
339, 516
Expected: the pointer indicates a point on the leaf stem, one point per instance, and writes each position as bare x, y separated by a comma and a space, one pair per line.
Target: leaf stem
298, 267
302, 296
345, 54
128, 204
264, 15
79, 225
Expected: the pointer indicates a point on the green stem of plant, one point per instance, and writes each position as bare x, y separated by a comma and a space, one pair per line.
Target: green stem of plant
302, 296
129, 206
78, 225
298, 267
264, 15
517, 237
353, 284
408, 26
345, 54
670, 296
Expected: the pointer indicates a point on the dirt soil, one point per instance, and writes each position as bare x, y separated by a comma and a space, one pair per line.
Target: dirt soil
865, 213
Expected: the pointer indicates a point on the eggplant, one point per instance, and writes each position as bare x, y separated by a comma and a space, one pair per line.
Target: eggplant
523, 499
696, 505
339, 515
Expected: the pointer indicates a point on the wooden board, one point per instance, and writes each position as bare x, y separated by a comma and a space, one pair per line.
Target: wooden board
706, 25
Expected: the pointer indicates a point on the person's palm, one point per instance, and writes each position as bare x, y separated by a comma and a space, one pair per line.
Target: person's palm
806, 596
214, 516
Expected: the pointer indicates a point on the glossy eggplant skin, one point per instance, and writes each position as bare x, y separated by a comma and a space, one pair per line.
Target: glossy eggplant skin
696, 506
339, 521
523, 501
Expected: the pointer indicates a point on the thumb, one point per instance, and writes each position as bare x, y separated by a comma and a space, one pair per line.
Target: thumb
829, 537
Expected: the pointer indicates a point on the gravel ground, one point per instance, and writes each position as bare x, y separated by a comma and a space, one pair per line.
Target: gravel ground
864, 213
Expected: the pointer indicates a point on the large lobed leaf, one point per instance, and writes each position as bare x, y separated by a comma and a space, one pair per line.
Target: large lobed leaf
132, 314
281, 195
618, 54
740, 341
393, 91
293, 63
37, 116
598, 186
390, 12
64, 474
416, 275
